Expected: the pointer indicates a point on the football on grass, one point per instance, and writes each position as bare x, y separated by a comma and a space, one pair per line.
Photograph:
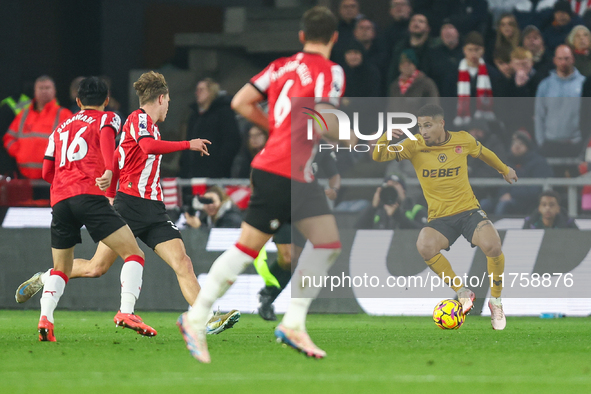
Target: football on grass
449, 315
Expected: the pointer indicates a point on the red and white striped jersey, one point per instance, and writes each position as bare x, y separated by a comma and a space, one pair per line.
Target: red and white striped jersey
303, 75
75, 147
139, 172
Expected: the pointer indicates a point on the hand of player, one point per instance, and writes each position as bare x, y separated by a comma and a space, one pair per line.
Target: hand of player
105, 180
511, 177
331, 194
199, 145
376, 198
397, 133
111, 200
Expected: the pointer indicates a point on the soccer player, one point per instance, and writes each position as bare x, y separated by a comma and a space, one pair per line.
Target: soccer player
275, 176
79, 165
139, 202
440, 161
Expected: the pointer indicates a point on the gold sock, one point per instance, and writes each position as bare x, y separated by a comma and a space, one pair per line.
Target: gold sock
441, 266
496, 266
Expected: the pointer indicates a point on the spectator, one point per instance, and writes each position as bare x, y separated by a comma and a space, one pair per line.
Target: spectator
392, 209
467, 15
412, 87
254, 142
214, 210
527, 164
531, 12
365, 33
473, 81
363, 78
445, 58
508, 34
502, 74
526, 79
556, 32
27, 135
548, 214
348, 15
533, 41
417, 39
579, 40
211, 119
557, 108
400, 11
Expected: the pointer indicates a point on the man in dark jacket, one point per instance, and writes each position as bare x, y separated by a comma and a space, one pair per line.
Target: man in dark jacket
212, 119
527, 164
391, 209
548, 214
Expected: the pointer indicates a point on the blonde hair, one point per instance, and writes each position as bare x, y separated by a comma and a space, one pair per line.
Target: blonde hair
571, 36
520, 53
150, 86
213, 87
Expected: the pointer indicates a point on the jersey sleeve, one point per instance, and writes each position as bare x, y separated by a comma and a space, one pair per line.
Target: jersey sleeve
402, 150
112, 120
262, 80
142, 128
50, 150
473, 148
330, 85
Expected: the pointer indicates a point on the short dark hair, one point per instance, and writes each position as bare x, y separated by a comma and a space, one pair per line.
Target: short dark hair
431, 110
474, 38
550, 193
319, 24
93, 91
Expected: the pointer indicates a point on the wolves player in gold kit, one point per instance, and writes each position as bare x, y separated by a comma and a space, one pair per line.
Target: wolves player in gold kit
440, 161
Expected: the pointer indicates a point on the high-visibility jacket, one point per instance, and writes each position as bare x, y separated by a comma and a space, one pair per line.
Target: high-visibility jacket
17, 106
28, 134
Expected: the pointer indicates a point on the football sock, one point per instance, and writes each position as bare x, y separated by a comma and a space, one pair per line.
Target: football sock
131, 282
221, 276
441, 266
496, 301
313, 263
52, 291
283, 277
496, 266
45, 275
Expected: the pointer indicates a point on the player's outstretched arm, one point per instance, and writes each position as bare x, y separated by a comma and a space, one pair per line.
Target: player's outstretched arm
490, 158
381, 151
511, 176
199, 145
245, 102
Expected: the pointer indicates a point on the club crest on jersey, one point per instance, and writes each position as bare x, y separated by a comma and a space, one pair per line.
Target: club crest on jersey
442, 157
274, 224
458, 149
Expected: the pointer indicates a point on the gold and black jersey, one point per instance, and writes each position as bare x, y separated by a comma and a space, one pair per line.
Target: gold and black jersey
442, 169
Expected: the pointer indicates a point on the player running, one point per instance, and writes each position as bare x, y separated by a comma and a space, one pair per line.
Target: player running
275, 176
79, 165
139, 202
440, 161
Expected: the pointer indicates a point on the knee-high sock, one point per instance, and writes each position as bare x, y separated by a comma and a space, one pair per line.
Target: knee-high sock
131, 282
52, 291
314, 263
441, 266
221, 276
496, 266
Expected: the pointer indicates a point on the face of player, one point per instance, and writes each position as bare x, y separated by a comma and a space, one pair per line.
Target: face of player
533, 42
508, 27
581, 40
548, 207
432, 129
473, 53
400, 10
44, 92
450, 36
213, 208
163, 109
364, 31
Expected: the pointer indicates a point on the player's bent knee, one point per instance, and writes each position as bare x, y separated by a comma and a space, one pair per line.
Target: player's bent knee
492, 249
427, 249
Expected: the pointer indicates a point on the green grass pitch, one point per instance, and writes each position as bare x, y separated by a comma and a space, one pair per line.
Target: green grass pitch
365, 355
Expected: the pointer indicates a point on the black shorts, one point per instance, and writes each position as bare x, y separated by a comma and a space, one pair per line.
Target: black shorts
271, 203
463, 223
92, 211
284, 236
147, 219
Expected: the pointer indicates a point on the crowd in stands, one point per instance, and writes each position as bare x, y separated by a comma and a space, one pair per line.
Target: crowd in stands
513, 73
